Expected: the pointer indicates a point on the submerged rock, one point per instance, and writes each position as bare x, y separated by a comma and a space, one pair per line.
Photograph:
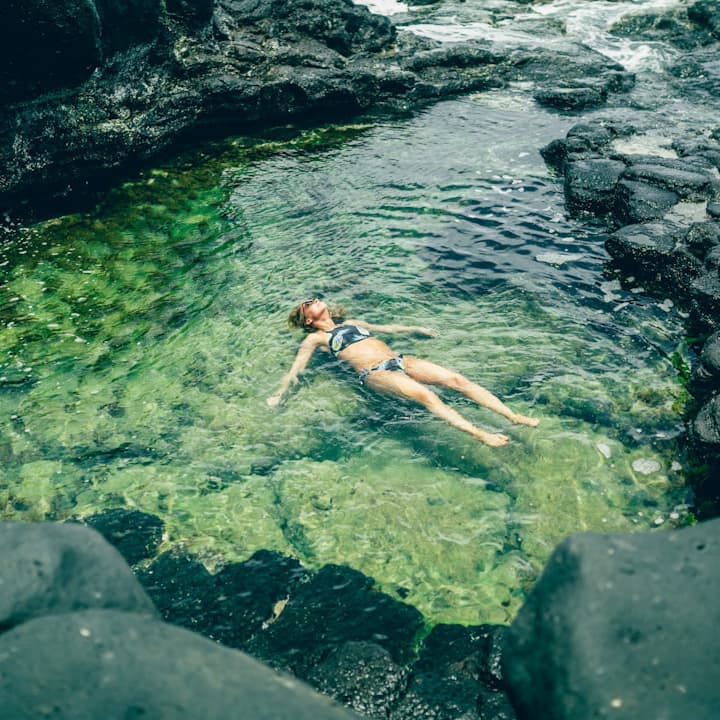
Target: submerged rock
336, 631
612, 630
135, 534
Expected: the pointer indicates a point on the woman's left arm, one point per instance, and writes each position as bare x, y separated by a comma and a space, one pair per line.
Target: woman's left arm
416, 329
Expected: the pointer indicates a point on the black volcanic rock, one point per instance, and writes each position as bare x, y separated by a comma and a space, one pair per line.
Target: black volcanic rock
570, 98
590, 184
46, 45
706, 425
638, 202
362, 676
457, 675
621, 626
654, 251
130, 78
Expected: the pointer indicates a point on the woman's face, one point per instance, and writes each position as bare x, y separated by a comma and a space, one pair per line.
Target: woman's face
313, 310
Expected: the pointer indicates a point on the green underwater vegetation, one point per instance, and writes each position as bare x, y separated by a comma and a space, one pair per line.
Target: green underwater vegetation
139, 341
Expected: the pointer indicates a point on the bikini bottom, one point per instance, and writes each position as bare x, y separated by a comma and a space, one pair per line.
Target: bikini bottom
396, 363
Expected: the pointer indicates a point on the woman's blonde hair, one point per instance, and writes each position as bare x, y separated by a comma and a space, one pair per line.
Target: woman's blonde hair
296, 318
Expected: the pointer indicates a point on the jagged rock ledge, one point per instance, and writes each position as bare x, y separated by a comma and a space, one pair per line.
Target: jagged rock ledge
92, 88
666, 221
617, 626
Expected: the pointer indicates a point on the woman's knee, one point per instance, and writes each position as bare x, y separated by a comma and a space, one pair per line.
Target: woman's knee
426, 397
456, 381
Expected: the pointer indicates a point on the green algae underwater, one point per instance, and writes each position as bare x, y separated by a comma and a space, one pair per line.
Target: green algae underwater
139, 342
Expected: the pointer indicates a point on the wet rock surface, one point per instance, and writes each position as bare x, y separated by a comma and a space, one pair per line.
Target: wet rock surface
128, 80
611, 629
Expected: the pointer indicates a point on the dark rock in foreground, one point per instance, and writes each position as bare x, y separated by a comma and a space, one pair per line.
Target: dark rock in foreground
109, 664
80, 640
336, 631
49, 569
621, 626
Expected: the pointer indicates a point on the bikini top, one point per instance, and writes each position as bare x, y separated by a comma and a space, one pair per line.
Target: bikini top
343, 335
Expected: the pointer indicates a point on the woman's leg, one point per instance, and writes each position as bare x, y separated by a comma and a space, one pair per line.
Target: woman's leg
399, 384
427, 372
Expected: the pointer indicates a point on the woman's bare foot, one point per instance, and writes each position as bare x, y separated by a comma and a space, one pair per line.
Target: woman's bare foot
524, 420
492, 439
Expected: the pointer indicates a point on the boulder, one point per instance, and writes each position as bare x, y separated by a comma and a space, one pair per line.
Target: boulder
53, 569
702, 238
590, 184
339, 24
705, 428
710, 355
570, 98
705, 294
110, 664
620, 626
654, 251
689, 182
638, 202
706, 14
46, 45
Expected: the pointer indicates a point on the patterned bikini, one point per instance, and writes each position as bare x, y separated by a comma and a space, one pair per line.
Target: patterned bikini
343, 335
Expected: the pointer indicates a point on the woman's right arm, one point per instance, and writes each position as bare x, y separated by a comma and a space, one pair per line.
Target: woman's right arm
304, 353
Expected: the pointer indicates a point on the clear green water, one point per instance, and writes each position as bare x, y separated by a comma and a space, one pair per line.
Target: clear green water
139, 342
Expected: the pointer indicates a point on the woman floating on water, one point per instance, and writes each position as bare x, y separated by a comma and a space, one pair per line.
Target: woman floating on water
383, 370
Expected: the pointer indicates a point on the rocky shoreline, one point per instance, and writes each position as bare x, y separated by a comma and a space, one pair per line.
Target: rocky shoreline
611, 629
131, 80
662, 204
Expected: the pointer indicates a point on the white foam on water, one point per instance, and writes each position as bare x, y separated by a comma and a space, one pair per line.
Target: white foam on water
383, 7
585, 22
556, 258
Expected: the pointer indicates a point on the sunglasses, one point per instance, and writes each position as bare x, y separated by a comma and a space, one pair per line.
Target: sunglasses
308, 303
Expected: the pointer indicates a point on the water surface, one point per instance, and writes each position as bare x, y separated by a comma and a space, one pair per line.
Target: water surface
140, 340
